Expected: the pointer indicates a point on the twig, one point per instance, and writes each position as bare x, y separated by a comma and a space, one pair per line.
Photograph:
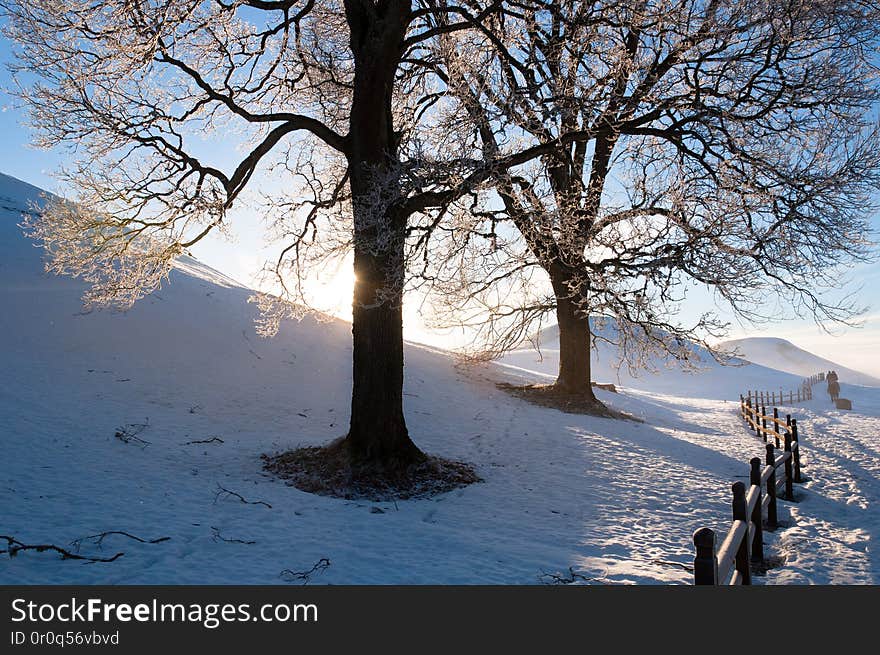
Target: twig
219, 537
98, 539
573, 576
15, 546
224, 490
320, 566
129, 433
211, 440
690, 569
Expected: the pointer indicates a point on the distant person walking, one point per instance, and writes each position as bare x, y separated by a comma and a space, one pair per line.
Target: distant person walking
834, 390
833, 385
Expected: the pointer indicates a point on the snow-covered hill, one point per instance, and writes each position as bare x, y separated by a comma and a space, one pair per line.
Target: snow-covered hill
616, 501
785, 356
706, 378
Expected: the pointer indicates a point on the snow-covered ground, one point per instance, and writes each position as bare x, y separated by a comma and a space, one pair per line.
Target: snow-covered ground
614, 501
836, 525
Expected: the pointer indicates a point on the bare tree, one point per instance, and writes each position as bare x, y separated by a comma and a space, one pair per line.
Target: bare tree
337, 94
719, 143
129, 86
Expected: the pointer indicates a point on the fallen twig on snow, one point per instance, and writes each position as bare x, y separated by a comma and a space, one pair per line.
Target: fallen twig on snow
219, 537
98, 539
223, 490
16, 546
573, 576
320, 566
211, 440
129, 433
671, 563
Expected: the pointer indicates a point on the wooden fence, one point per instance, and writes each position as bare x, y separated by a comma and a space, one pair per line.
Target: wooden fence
766, 425
753, 508
802, 393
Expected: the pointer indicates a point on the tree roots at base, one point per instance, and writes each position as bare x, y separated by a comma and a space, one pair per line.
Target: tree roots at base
571, 402
330, 471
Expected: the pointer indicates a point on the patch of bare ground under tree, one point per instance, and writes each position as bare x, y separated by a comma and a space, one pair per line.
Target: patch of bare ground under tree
328, 471
549, 395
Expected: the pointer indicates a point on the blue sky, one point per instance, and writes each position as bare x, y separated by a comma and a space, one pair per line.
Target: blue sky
243, 255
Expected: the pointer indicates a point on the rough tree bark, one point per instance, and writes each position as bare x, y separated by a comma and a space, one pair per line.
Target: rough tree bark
574, 340
377, 435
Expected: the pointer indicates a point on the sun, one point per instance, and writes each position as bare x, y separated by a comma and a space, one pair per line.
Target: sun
333, 291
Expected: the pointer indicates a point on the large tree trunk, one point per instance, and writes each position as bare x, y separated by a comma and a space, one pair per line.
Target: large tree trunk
377, 435
574, 340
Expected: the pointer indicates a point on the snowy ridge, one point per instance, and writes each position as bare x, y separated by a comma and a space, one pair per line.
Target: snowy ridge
560, 490
663, 375
785, 356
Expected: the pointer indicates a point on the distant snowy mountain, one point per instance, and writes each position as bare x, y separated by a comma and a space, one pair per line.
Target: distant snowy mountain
785, 356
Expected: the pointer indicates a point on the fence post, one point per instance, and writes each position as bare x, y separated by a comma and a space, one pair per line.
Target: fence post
764, 422
776, 425
705, 561
772, 522
740, 513
796, 454
799, 394
789, 477
757, 512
